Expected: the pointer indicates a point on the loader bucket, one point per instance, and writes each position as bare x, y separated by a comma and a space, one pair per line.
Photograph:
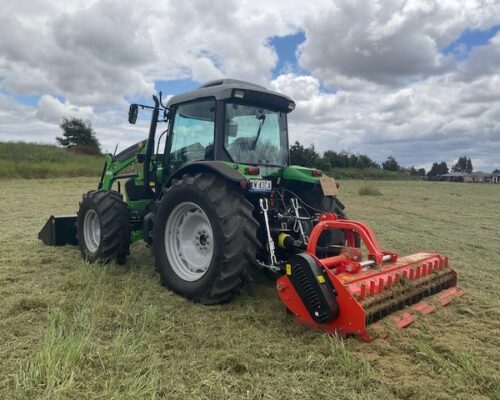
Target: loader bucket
59, 230
364, 291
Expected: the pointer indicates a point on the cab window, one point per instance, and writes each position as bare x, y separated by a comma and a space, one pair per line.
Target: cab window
193, 132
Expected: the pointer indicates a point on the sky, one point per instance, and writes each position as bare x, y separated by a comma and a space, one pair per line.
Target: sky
416, 79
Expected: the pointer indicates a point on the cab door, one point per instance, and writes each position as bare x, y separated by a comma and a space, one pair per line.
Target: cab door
192, 134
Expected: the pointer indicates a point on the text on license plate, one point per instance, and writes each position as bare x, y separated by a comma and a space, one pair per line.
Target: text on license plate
260, 185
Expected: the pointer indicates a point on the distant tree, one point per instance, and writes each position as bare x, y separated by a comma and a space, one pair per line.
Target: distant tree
390, 164
349, 160
365, 162
336, 160
323, 164
305, 156
469, 168
443, 168
437, 169
496, 171
460, 165
413, 171
421, 172
434, 171
463, 164
332, 158
79, 135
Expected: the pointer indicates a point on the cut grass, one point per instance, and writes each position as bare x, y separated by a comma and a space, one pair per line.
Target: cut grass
70, 330
369, 190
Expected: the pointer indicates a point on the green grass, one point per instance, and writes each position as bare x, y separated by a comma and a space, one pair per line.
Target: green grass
36, 161
70, 330
369, 190
370, 173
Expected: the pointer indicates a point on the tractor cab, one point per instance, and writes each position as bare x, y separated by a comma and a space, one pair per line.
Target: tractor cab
229, 121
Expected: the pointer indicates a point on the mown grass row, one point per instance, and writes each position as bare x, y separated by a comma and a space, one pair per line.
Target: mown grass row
37, 161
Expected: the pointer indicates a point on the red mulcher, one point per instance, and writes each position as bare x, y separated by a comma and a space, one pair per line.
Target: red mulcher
343, 294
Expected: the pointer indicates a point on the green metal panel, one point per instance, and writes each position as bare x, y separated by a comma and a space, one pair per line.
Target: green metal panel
113, 168
138, 204
298, 173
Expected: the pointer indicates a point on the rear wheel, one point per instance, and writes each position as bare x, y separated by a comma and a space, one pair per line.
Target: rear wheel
204, 238
103, 229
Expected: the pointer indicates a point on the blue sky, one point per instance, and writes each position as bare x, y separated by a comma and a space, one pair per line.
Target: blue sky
469, 39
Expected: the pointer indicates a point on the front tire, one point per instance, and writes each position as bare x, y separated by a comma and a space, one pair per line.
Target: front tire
103, 229
204, 238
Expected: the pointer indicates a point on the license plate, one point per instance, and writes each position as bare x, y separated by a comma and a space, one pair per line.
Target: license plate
260, 185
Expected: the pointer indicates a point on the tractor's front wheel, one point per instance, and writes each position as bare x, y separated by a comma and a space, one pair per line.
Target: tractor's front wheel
204, 238
103, 228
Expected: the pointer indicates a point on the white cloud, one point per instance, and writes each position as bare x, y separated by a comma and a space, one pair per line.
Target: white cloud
204, 70
53, 110
424, 122
391, 89
95, 53
388, 42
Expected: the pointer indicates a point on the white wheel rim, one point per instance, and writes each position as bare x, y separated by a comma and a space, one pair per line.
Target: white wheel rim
189, 241
92, 230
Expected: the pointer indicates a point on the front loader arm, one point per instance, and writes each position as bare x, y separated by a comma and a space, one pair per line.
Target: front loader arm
113, 165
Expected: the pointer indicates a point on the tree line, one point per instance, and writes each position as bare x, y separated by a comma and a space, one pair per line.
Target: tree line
309, 157
463, 164
79, 136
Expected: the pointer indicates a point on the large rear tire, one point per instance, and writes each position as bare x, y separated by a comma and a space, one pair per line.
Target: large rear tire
103, 229
204, 238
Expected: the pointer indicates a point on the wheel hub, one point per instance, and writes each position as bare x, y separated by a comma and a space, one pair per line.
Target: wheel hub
189, 241
92, 231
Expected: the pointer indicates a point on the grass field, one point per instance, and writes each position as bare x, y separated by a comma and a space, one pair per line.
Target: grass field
35, 161
69, 330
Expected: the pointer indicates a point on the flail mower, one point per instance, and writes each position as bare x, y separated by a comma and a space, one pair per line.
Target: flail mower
216, 199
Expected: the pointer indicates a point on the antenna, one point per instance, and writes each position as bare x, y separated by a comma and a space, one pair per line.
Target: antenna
116, 148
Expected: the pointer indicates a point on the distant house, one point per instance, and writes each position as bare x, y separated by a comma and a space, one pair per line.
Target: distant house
474, 177
495, 178
453, 177
480, 177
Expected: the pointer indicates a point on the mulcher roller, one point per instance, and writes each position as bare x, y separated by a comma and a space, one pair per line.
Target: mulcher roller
344, 294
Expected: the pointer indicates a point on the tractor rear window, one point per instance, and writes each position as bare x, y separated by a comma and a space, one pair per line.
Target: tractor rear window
255, 135
193, 132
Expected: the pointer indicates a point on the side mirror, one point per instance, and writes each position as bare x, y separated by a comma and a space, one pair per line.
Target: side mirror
232, 129
132, 113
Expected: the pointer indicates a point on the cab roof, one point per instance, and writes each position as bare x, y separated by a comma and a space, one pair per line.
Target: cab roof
224, 89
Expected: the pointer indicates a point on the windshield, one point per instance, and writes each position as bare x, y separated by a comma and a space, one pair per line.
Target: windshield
255, 135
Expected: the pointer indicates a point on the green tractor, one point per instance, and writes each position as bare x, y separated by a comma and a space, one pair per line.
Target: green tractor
217, 200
